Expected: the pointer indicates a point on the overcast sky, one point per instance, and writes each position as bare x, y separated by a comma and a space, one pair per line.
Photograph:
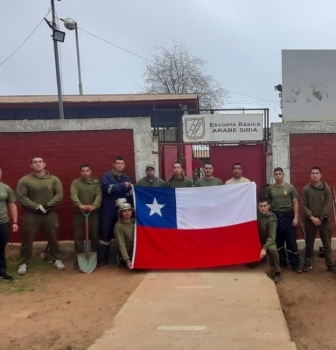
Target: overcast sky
240, 41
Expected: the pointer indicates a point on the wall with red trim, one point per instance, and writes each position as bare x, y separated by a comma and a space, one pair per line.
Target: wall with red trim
63, 152
306, 151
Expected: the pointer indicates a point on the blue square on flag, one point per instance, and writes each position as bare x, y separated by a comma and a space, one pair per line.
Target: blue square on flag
155, 207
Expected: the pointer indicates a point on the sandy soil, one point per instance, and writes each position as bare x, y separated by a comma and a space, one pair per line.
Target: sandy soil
308, 301
68, 310
60, 310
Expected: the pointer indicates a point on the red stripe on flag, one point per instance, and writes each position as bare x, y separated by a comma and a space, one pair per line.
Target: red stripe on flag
161, 248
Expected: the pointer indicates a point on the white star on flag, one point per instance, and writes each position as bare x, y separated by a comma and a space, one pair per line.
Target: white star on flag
155, 208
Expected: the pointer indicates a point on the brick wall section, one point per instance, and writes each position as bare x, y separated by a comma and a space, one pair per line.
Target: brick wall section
307, 150
63, 152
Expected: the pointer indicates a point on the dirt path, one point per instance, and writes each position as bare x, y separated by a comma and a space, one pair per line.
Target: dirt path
60, 310
308, 301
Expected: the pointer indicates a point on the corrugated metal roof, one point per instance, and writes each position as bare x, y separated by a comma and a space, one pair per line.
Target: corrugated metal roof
96, 98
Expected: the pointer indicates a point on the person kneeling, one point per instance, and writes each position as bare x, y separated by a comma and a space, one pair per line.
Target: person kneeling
124, 233
267, 225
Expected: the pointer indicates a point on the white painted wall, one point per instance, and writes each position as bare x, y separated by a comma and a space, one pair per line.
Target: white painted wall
141, 126
309, 85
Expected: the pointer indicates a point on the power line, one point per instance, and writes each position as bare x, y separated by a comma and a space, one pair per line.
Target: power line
117, 46
257, 98
146, 59
14, 52
123, 49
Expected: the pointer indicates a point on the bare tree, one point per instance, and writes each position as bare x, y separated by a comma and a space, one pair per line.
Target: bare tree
176, 72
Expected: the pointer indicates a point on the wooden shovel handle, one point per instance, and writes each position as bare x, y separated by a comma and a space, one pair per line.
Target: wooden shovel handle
86, 225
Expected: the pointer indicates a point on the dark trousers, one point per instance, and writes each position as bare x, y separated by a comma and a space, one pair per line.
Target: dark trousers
325, 235
4, 235
32, 224
286, 240
79, 231
273, 259
130, 254
106, 233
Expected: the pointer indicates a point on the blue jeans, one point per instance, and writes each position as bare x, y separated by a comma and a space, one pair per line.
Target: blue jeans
286, 240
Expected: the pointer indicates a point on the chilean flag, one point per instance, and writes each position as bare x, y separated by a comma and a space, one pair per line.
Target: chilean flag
195, 227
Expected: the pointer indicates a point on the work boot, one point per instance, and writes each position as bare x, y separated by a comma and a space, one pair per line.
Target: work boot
5, 277
102, 265
332, 268
277, 277
306, 268
297, 269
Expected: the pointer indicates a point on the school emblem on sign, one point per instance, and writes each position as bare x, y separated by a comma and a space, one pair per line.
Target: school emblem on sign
194, 128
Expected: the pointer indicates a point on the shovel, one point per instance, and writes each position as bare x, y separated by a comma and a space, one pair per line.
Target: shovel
87, 261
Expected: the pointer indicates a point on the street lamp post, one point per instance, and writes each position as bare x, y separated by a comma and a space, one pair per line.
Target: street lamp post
57, 36
70, 24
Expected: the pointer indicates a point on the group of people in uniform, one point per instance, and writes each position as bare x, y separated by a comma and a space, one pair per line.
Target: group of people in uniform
279, 217
111, 214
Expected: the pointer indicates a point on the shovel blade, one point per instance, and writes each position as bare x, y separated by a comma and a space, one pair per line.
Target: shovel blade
87, 262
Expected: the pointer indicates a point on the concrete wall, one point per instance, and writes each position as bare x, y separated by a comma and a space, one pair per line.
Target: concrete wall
269, 163
141, 127
298, 146
281, 141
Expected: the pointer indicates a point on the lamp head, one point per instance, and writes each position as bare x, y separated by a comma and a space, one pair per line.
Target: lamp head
70, 24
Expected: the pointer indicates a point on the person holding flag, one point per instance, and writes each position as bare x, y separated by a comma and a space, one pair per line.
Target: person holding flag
267, 226
115, 184
124, 234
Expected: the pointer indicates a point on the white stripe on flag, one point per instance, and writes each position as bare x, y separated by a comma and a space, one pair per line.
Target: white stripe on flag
216, 206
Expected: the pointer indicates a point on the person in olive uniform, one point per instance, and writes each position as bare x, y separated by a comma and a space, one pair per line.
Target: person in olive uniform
86, 196
284, 204
7, 203
150, 180
178, 180
316, 205
267, 225
124, 233
208, 179
39, 193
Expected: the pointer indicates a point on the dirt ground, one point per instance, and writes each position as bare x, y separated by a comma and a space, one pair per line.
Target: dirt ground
68, 310
60, 310
308, 301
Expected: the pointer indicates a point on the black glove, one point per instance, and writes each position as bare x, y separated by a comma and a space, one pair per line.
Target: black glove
42, 209
323, 218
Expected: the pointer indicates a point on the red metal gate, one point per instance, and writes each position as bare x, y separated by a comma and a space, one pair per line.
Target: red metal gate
252, 158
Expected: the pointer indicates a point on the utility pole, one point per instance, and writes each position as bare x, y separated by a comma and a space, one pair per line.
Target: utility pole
78, 64
57, 64
71, 24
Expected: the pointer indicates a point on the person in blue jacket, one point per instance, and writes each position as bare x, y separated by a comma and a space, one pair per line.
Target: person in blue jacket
115, 184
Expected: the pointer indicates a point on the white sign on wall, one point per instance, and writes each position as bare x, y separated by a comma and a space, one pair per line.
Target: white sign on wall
222, 127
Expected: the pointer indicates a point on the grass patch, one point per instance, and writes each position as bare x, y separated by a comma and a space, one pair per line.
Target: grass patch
38, 273
33, 281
